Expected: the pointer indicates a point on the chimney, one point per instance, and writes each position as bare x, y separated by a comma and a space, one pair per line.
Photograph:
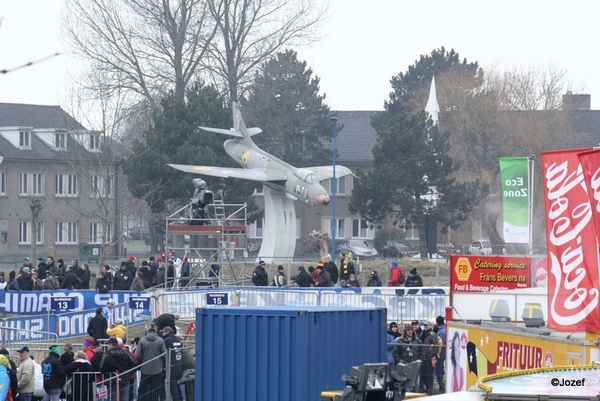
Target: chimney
576, 102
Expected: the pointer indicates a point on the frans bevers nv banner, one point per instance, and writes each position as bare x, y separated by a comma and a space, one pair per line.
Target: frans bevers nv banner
514, 173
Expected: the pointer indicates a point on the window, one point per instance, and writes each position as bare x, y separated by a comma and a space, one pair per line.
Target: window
259, 227
96, 232
25, 232
95, 142
60, 140
360, 229
31, 184
3, 182
340, 187
66, 185
340, 231
102, 185
25, 139
67, 232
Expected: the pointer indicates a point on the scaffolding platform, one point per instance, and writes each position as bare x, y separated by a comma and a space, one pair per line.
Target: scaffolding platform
206, 230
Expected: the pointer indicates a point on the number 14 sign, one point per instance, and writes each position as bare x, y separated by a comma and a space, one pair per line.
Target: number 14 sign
139, 303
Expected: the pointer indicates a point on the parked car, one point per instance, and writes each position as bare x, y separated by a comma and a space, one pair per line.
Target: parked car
358, 247
138, 234
480, 247
394, 249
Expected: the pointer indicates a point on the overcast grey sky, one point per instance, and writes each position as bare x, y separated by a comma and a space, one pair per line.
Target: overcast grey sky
365, 44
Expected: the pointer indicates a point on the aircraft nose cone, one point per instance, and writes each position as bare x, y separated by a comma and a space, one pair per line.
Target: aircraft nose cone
325, 199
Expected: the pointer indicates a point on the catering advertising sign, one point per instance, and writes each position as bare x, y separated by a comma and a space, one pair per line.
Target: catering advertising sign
489, 273
573, 295
474, 352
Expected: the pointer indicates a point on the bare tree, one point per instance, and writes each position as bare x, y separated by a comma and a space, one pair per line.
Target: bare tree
145, 46
36, 205
252, 31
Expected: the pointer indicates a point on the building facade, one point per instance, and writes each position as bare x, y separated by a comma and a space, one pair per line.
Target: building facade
58, 184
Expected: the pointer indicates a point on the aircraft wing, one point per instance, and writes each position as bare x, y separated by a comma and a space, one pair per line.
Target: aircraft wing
326, 172
253, 174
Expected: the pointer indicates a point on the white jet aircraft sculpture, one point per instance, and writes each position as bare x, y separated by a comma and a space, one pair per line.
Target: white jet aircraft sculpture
282, 184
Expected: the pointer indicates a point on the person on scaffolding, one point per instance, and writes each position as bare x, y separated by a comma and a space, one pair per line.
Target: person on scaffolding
202, 197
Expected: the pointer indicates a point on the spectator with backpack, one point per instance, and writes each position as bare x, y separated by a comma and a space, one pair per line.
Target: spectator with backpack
397, 276
414, 279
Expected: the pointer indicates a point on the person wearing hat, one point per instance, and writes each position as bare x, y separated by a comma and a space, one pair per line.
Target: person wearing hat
173, 344
50, 283
115, 360
417, 331
440, 369
397, 276
25, 280
374, 281
42, 268
123, 278
109, 312
323, 277
279, 279
408, 347
330, 266
303, 279
12, 370
151, 348
391, 335
62, 269
97, 326
25, 375
54, 374
260, 278
414, 279
347, 267
130, 263
27, 263
117, 330
428, 356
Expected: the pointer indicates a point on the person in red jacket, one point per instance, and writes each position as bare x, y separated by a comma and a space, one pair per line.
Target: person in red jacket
397, 277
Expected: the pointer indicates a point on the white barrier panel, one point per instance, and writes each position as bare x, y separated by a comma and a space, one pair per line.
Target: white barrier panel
476, 306
251, 297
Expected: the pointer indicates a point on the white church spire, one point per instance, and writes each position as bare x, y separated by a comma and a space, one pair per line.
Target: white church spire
432, 105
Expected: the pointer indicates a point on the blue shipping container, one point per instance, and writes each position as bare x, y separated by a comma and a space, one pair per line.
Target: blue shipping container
283, 353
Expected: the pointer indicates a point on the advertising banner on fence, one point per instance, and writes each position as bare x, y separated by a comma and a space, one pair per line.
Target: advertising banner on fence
514, 174
475, 352
572, 245
489, 273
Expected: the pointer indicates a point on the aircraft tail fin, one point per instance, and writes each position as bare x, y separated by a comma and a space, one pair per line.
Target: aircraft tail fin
239, 129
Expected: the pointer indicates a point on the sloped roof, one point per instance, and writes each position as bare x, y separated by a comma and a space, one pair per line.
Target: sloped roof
36, 116
356, 137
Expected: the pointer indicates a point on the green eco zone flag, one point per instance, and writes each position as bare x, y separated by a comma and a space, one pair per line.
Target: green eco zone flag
514, 173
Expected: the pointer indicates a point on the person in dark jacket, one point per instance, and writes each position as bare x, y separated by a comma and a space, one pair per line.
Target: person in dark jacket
428, 353
83, 384
324, 279
303, 279
166, 319
279, 279
173, 344
12, 374
115, 360
260, 278
347, 267
185, 273
332, 269
68, 356
374, 281
408, 348
62, 270
97, 326
103, 284
352, 282
51, 266
54, 374
146, 274
161, 275
413, 279
138, 282
25, 281
130, 263
84, 278
123, 279
42, 268
69, 281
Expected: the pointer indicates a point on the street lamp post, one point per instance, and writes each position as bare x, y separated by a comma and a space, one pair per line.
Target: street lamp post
333, 189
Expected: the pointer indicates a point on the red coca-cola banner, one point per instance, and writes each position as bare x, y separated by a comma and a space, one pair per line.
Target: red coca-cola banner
590, 162
573, 283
